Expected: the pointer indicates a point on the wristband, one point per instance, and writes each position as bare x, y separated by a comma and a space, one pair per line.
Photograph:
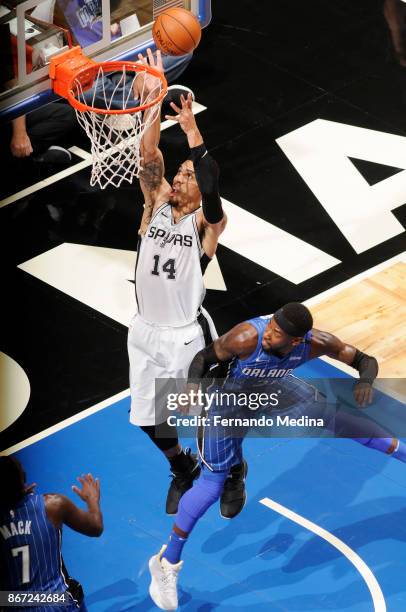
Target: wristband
366, 365
196, 153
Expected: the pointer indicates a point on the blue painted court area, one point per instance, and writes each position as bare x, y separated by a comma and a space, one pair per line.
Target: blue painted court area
261, 560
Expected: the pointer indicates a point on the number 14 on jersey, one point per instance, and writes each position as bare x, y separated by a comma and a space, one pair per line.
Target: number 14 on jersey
168, 267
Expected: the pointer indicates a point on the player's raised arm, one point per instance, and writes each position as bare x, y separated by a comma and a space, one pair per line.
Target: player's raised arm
212, 219
324, 343
152, 179
61, 510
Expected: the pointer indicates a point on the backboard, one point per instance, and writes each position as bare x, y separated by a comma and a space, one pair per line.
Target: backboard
33, 31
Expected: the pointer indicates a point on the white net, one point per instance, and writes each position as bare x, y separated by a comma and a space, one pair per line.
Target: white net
116, 138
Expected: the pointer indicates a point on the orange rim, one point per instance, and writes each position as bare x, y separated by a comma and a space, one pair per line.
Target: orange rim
115, 66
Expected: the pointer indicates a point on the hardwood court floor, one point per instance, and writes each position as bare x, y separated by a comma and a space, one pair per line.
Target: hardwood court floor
372, 314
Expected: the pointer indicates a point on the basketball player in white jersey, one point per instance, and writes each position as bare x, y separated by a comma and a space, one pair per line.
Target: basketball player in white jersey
179, 233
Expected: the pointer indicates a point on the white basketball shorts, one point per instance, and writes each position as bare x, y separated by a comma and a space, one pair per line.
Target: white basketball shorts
157, 351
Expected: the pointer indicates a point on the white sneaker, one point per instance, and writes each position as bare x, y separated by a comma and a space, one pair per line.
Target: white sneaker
164, 576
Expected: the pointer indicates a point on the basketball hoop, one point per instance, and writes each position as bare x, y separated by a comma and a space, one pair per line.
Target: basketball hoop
102, 95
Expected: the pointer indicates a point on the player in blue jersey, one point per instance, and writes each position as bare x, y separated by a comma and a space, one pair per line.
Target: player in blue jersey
84, 18
31, 534
261, 349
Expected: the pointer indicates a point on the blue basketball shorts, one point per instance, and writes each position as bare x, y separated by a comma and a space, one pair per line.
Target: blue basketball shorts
220, 440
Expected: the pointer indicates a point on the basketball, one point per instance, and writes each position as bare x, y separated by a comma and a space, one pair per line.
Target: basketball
176, 31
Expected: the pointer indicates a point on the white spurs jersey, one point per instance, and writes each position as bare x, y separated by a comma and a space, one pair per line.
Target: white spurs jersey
169, 271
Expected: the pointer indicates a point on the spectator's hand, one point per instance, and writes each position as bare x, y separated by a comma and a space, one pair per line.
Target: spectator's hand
363, 394
146, 83
185, 116
20, 145
90, 491
115, 29
38, 59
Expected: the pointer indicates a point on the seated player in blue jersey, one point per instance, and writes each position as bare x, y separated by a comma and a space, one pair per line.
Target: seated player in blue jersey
261, 348
84, 19
31, 535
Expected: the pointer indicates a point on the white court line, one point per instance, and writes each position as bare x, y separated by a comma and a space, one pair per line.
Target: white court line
360, 565
87, 161
67, 422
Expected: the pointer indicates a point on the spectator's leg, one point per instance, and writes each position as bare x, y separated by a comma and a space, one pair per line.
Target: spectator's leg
50, 125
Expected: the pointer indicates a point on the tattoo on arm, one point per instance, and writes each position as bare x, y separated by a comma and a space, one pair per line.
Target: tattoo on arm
146, 217
152, 174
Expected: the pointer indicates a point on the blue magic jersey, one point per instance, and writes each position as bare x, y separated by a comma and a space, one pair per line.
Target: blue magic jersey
30, 550
220, 446
84, 18
264, 366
